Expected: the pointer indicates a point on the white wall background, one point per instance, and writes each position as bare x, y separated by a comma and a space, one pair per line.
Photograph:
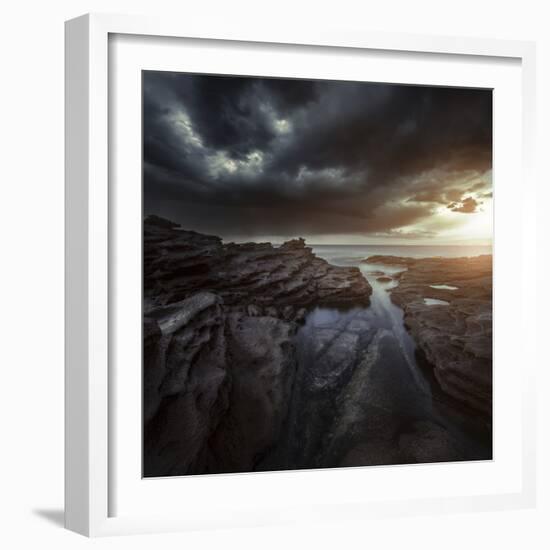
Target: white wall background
31, 269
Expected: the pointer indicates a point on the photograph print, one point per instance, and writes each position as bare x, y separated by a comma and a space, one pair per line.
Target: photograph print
317, 274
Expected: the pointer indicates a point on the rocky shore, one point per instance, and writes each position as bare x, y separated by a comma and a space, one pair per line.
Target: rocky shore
447, 304
261, 357
219, 351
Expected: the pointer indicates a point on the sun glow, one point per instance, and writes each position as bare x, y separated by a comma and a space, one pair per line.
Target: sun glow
476, 227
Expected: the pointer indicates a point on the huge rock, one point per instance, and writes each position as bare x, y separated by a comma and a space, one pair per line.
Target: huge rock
179, 263
218, 336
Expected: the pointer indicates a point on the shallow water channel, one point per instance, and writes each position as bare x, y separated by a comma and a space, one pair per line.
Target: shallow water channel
360, 398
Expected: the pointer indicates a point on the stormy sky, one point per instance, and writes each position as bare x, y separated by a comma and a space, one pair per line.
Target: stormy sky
335, 162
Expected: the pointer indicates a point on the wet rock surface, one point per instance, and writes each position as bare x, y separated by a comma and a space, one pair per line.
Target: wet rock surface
219, 345
360, 400
451, 326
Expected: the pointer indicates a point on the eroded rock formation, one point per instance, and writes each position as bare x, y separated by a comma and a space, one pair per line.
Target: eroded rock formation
277, 281
218, 330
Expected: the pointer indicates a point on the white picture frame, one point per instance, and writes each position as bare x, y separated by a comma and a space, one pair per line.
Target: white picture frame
91, 400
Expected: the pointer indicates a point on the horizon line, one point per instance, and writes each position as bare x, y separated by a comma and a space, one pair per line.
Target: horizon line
408, 244
307, 243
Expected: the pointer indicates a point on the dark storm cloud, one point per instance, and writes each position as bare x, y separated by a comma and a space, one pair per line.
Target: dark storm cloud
252, 156
467, 206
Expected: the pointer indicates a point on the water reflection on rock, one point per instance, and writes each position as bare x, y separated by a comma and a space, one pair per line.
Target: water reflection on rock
359, 397
435, 302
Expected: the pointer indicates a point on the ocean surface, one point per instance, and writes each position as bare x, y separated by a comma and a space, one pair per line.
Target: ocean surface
352, 254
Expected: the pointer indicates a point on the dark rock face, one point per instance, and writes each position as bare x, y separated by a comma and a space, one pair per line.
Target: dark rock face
219, 356
179, 263
455, 337
330, 356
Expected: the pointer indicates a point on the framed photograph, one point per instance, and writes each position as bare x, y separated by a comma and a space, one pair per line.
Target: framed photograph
290, 261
